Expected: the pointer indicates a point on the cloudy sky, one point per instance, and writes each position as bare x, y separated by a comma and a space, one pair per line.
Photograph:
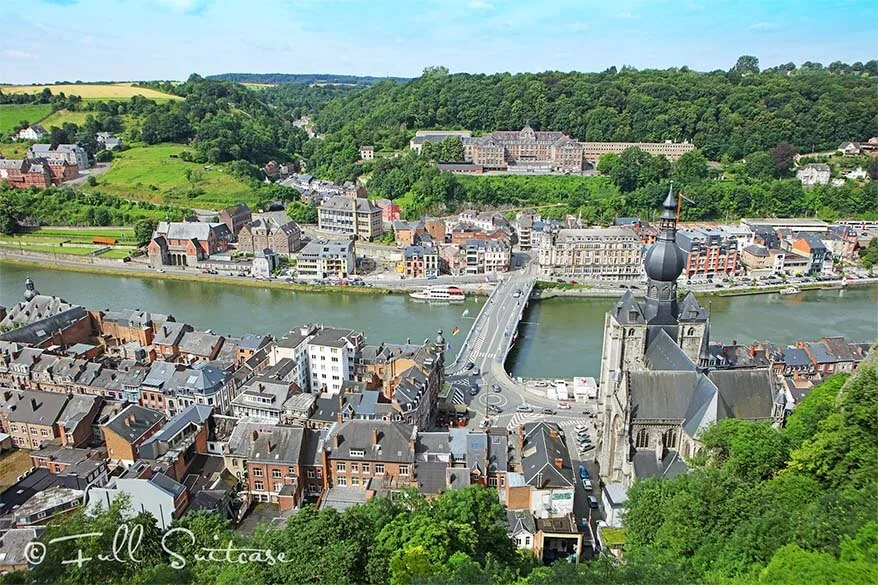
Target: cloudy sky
90, 40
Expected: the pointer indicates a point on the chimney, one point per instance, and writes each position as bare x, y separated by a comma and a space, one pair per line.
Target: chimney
520, 436
34, 404
559, 463
734, 342
127, 422
335, 440
374, 435
752, 350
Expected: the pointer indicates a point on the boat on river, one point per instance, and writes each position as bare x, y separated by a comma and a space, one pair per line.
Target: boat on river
790, 290
442, 294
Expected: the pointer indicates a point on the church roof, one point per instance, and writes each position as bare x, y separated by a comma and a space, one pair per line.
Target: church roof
663, 354
748, 394
627, 311
691, 309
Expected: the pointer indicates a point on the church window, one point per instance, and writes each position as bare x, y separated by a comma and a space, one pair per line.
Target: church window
670, 439
666, 293
642, 439
691, 331
653, 292
631, 331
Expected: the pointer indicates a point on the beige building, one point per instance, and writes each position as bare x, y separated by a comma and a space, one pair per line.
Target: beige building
527, 147
352, 216
612, 254
593, 151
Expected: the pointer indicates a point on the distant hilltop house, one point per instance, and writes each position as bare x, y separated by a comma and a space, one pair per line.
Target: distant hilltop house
108, 141
34, 132
814, 174
72, 154
177, 243
367, 152
855, 148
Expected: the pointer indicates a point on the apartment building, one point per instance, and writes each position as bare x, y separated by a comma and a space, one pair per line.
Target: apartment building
351, 216
607, 254
321, 259
273, 465
331, 356
593, 151
708, 253
421, 261
487, 256
360, 453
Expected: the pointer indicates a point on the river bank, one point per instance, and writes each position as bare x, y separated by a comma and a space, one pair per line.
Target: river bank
542, 290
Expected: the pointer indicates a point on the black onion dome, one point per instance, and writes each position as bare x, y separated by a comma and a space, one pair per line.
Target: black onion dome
664, 261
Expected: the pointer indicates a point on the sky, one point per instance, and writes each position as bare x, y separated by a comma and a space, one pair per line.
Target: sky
126, 40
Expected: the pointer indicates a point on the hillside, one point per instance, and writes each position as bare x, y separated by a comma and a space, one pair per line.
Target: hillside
301, 78
12, 114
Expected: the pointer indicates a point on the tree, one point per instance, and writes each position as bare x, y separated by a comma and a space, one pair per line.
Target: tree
451, 149
9, 213
869, 255
690, 168
747, 65
784, 157
143, 230
760, 166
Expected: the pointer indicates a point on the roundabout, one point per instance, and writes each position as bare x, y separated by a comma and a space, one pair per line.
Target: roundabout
492, 399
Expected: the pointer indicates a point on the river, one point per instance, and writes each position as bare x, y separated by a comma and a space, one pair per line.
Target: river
560, 337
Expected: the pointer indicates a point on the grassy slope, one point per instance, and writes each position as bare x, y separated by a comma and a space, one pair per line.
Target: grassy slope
14, 149
12, 114
93, 91
150, 173
63, 116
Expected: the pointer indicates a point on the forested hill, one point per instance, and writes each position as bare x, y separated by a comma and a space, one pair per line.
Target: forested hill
725, 113
302, 78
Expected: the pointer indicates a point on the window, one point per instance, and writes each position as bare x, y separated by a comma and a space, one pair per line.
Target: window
257, 472
643, 439
670, 439
341, 482
291, 470
366, 468
258, 486
379, 469
310, 473
278, 486
527, 540
403, 469
275, 473
358, 453
355, 468
340, 467
33, 431
355, 481
13, 427
44, 432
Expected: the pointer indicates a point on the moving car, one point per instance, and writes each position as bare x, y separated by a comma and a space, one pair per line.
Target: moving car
476, 371
541, 383
592, 502
470, 365
583, 472
586, 483
496, 387
523, 408
474, 390
563, 406
548, 411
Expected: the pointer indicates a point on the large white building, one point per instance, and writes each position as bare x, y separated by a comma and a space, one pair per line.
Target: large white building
321, 259
610, 254
331, 355
351, 216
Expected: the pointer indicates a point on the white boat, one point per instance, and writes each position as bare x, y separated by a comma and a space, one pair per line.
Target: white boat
440, 293
790, 290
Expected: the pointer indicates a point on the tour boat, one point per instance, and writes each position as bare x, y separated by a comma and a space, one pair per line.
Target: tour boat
440, 293
790, 290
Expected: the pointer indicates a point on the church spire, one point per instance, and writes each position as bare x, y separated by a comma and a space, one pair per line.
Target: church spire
663, 265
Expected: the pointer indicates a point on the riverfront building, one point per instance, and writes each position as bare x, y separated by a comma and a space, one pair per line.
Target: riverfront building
606, 254
357, 217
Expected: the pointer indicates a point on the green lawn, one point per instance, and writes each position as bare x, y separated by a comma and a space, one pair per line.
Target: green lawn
49, 249
155, 173
54, 235
12, 114
117, 253
63, 116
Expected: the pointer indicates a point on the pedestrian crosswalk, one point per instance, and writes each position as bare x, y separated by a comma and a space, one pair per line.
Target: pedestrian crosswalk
568, 424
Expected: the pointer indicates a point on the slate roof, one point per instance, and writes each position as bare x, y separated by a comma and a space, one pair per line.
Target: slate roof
37, 332
538, 455
663, 354
35, 407
748, 394
326, 410
78, 406
342, 203
144, 419
170, 333
252, 341
838, 347
194, 414
691, 310
431, 476
820, 353
795, 357
199, 343
202, 378
13, 544
279, 444
646, 465
518, 521
628, 311
190, 230
331, 337
395, 441
134, 318
168, 485
159, 374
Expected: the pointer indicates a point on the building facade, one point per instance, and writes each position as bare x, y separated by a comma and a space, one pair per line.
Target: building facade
607, 254
708, 253
353, 216
321, 259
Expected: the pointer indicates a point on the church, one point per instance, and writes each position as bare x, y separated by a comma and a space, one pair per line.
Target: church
657, 387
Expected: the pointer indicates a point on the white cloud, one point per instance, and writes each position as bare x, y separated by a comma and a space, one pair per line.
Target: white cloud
481, 5
183, 6
763, 26
17, 54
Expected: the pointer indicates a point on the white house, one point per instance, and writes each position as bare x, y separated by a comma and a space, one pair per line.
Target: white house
857, 174
34, 132
108, 141
521, 528
814, 174
159, 495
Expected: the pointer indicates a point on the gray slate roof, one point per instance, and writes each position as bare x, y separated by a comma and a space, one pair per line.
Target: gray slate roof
143, 420
538, 455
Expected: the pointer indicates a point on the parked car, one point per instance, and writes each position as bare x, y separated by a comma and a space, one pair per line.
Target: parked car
470, 365
541, 383
586, 448
592, 502
580, 427
586, 483
583, 472
474, 390
564, 406
523, 408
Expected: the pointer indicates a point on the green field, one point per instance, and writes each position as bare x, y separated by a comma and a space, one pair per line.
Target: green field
53, 235
117, 253
14, 149
155, 173
12, 114
63, 116
50, 249
93, 91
